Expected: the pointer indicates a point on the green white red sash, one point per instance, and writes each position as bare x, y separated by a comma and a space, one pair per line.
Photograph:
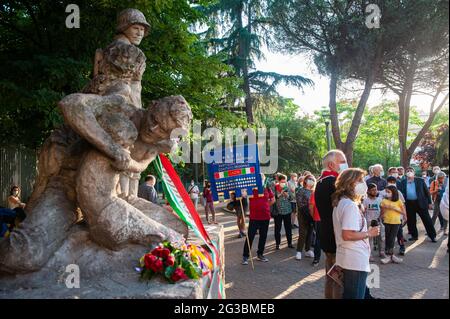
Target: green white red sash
181, 203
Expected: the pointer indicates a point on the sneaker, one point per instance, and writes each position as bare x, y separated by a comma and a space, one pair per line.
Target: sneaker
396, 260
309, 254
402, 251
383, 255
298, 256
386, 260
277, 247
245, 261
433, 240
315, 263
262, 258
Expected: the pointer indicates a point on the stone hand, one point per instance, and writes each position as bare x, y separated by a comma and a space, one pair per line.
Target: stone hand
122, 159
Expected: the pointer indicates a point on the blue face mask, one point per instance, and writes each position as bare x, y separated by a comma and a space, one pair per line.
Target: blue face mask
342, 167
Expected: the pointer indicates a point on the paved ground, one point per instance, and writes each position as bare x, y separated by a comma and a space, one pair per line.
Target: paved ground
424, 273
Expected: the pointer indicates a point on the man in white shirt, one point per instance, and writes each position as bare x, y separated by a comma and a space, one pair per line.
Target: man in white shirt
193, 192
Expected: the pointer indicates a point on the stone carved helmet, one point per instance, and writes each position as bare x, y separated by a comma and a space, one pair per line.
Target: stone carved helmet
128, 17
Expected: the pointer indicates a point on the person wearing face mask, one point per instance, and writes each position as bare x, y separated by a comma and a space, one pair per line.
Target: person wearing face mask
393, 171
377, 177
193, 192
292, 184
392, 181
444, 207
305, 220
437, 190
426, 178
333, 163
259, 222
436, 171
392, 208
372, 212
14, 198
401, 173
418, 201
283, 202
352, 233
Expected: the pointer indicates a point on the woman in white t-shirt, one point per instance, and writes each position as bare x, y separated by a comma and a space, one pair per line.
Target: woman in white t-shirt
352, 232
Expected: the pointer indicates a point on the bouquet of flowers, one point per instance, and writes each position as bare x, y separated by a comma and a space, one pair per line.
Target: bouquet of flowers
174, 263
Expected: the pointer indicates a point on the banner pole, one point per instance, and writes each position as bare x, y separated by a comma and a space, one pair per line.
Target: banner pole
248, 241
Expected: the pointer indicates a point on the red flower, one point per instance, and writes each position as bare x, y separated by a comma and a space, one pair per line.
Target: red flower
178, 274
165, 252
149, 260
170, 261
158, 266
157, 251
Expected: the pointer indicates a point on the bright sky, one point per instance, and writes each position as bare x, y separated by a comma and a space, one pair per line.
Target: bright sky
313, 98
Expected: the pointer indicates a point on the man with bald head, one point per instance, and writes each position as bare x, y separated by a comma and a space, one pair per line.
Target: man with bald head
333, 163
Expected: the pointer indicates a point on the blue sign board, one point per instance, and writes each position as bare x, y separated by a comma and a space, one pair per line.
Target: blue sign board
233, 169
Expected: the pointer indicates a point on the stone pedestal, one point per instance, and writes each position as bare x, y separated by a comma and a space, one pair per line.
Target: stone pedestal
103, 273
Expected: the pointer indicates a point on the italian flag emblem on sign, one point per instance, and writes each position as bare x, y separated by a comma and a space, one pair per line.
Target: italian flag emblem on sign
235, 172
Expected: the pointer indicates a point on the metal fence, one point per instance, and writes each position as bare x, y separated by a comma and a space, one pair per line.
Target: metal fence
17, 167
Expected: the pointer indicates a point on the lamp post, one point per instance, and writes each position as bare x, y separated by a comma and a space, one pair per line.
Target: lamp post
327, 125
326, 117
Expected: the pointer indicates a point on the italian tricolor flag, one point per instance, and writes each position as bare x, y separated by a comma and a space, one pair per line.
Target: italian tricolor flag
234, 172
181, 203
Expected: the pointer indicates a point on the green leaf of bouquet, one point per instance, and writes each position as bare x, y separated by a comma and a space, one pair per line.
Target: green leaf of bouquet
169, 271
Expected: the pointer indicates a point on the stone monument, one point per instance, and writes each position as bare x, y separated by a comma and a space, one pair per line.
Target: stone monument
91, 165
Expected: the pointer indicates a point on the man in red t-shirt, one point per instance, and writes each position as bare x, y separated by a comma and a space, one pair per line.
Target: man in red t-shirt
259, 221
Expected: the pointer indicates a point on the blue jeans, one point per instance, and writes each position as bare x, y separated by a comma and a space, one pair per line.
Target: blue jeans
354, 284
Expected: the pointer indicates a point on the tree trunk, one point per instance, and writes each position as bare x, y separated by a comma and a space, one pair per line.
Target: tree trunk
404, 105
333, 111
427, 125
243, 57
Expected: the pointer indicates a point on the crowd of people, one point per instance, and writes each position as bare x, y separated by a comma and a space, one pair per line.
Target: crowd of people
352, 216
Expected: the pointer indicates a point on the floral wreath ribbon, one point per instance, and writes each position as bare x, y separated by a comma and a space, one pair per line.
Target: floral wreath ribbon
180, 202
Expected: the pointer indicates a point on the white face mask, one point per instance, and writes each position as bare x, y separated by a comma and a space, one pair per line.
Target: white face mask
382, 174
310, 183
342, 167
410, 174
395, 175
361, 189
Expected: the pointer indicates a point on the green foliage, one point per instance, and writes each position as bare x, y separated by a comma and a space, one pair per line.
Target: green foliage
298, 148
236, 31
42, 61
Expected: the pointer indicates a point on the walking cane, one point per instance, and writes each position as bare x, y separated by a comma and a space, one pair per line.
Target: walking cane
248, 241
